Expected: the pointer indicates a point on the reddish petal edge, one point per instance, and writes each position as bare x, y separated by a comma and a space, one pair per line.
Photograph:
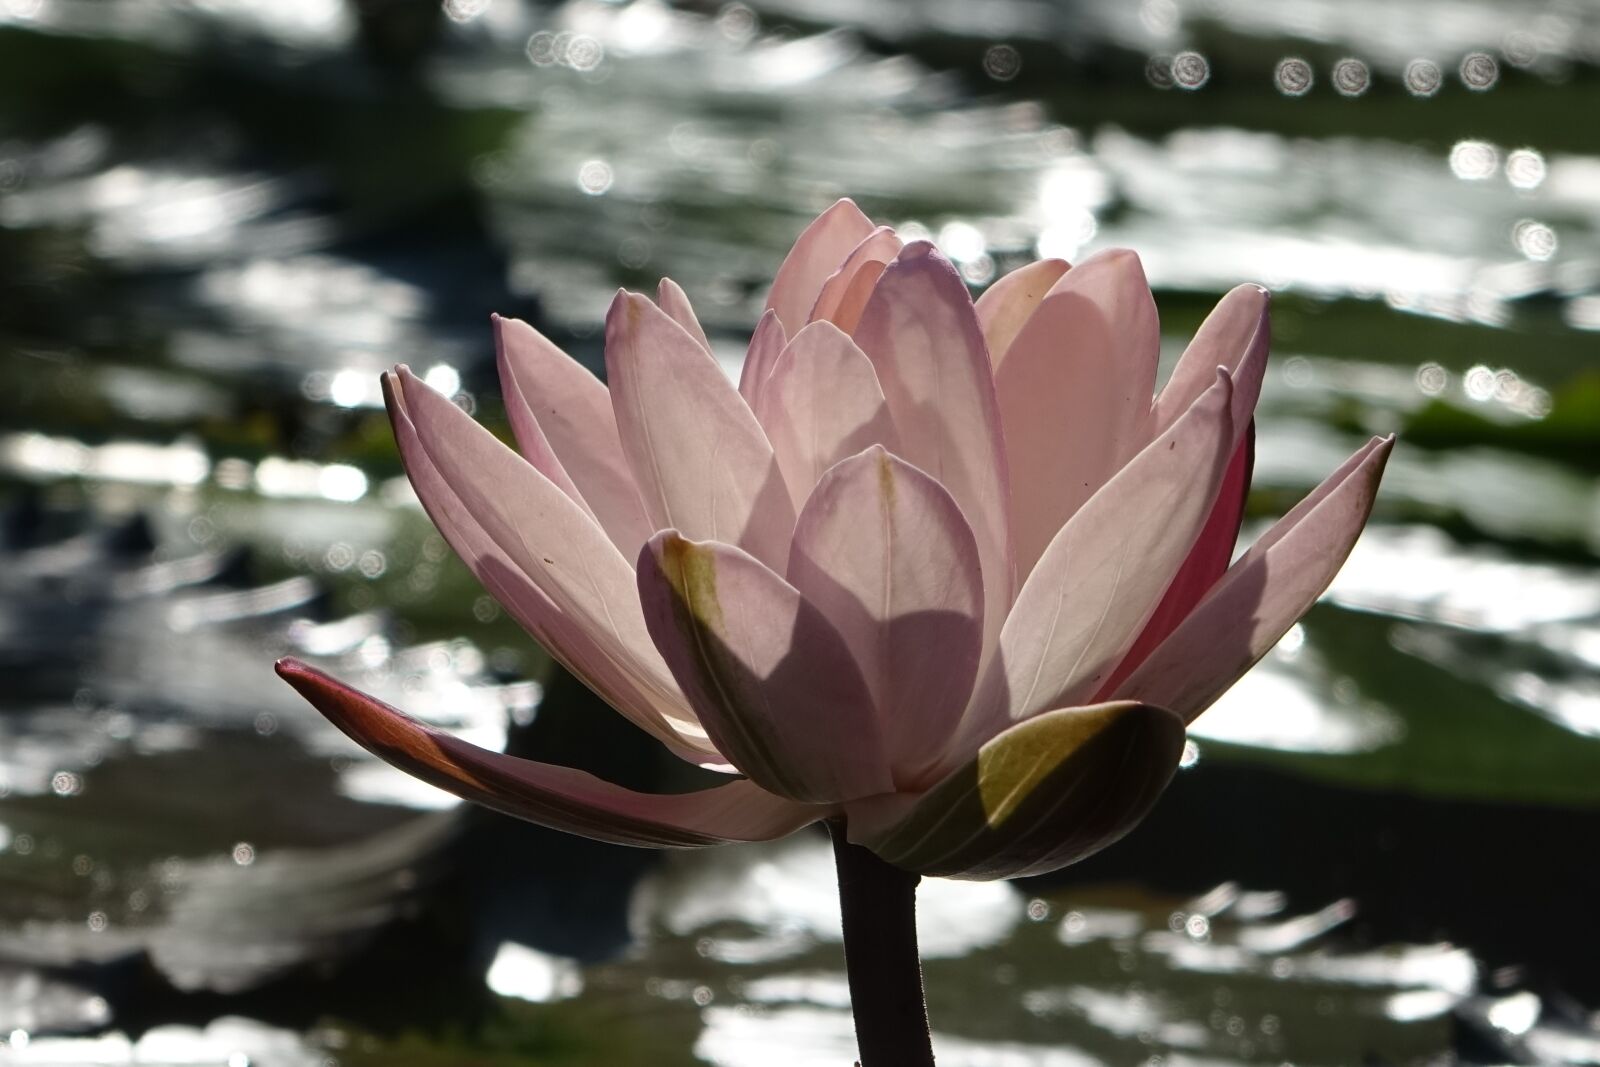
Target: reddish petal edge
562, 798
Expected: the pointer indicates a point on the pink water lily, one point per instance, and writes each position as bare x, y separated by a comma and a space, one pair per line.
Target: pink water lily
955, 573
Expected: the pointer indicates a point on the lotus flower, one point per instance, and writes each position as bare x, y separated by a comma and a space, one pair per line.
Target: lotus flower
941, 569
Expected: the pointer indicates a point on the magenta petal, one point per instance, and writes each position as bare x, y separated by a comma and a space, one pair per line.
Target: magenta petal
816, 254
884, 552
543, 558
772, 680
558, 797
922, 335
820, 404
1007, 305
1274, 583
703, 464
573, 412
1074, 392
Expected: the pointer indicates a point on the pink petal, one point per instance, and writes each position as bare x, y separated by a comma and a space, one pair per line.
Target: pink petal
884, 552
853, 298
1261, 596
1042, 794
770, 677
922, 335
544, 559
880, 246
550, 795
820, 404
1074, 392
765, 345
531, 441
1236, 335
1007, 305
1102, 576
573, 411
701, 460
671, 298
1206, 562
816, 254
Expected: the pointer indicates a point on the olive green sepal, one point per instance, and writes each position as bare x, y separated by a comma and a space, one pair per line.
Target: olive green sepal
1039, 796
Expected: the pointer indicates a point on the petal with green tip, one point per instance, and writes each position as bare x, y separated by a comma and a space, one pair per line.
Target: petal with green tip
772, 681
1045, 793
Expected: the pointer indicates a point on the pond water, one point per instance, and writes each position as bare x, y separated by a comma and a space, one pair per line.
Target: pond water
219, 219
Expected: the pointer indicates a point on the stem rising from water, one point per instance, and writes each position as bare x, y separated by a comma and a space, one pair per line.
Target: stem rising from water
879, 905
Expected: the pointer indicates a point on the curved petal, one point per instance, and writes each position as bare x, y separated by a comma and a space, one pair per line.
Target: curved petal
854, 296
880, 246
1236, 335
816, 254
884, 552
820, 404
1074, 391
770, 677
702, 462
1041, 795
1206, 562
922, 336
765, 345
544, 559
671, 298
1006, 306
559, 797
573, 410
531, 440
1102, 576
1261, 596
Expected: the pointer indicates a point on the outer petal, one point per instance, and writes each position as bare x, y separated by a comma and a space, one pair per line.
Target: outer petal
765, 345
1046, 793
1206, 562
821, 403
544, 559
884, 552
1261, 596
771, 678
671, 298
816, 254
531, 440
922, 335
573, 411
1074, 392
1102, 576
1007, 305
1236, 335
550, 795
880, 246
703, 463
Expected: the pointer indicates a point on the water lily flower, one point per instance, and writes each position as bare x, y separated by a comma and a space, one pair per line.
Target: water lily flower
952, 572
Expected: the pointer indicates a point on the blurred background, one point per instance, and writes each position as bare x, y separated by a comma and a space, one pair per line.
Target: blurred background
219, 219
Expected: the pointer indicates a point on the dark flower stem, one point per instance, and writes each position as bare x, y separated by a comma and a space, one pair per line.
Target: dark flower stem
879, 905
